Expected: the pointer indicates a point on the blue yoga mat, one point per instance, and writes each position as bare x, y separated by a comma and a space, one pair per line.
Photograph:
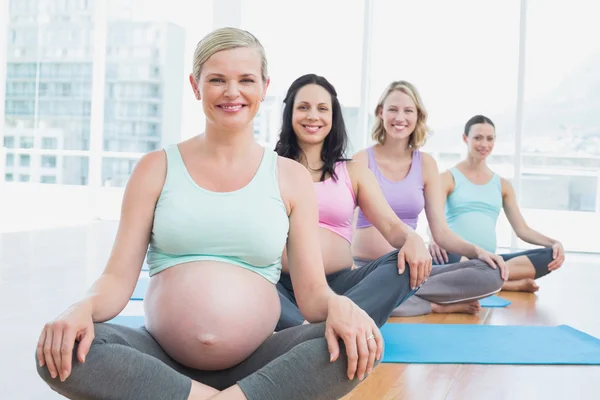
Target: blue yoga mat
140, 289
494, 301
487, 344
132, 321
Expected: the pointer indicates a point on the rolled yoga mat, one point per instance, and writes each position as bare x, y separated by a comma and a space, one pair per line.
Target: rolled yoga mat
493, 302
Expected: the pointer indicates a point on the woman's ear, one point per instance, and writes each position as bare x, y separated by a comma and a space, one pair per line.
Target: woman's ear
195, 87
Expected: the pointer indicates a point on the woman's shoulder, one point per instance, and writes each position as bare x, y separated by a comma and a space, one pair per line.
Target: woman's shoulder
362, 156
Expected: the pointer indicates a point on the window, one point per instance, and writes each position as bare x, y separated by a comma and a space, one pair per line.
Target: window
26, 142
75, 170
24, 160
335, 53
48, 161
23, 178
470, 68
9, 142
116, 171
8, 177
10, 160
49, 143
153, 130
48, 179
561, 127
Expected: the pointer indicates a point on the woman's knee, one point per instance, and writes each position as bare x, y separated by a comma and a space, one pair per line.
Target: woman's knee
304, 372
102, 331
540, 260
56, 383
490, 277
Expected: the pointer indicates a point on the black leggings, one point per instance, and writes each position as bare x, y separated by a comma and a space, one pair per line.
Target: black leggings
540, 258
377, 288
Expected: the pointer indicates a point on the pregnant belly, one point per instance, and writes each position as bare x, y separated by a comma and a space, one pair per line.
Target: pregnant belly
209, 315
369, 244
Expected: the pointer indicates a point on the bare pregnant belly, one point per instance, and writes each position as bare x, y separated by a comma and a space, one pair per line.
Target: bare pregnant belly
210, 315
369, 244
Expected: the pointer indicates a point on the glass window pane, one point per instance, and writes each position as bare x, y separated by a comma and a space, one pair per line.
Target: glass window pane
73, 171
302, 40
116, 171
561, 123
463, 60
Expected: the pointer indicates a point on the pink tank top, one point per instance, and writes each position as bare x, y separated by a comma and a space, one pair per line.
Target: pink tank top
337, 202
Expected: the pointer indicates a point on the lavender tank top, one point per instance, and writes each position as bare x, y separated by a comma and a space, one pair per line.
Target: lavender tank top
405, 197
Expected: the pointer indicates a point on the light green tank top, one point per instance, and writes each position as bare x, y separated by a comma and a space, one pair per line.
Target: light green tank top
247, 227
472, 210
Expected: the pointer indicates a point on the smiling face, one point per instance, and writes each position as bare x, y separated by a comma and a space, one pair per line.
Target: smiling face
480, 140
231, 87
399, 115
313, 114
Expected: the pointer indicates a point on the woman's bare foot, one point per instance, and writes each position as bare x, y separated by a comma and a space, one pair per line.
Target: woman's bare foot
200, 391
472, 307
521, 285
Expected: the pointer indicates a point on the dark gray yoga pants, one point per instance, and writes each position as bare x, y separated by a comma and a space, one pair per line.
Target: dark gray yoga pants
452, 283
540, 258
377, 288
126, 363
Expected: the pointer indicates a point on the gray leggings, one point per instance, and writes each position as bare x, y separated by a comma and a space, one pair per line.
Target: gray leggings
126, 363
452, 283
540, 258
377, 288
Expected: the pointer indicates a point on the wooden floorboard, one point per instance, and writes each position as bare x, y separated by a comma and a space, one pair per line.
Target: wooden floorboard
567, 296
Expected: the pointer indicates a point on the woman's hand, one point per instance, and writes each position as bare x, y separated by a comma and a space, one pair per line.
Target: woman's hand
558, 255
363, 340
415, 253
494, 261
55, 346
440, 256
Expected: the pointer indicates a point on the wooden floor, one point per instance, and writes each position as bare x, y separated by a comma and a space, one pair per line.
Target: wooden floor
568, 296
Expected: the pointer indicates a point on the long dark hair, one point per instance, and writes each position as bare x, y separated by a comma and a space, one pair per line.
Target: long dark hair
477, 119
334, 146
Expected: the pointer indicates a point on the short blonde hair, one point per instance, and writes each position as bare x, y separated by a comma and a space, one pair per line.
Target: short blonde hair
419, 136
226, 39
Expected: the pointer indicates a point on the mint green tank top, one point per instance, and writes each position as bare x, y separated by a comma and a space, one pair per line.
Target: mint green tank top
472, 210
247, 227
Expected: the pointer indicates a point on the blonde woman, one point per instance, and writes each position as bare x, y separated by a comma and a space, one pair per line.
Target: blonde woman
410, 182
216, 211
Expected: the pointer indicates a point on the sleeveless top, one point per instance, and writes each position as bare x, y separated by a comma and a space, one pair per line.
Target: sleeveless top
405, 197
247, 227
337, 202
472, 210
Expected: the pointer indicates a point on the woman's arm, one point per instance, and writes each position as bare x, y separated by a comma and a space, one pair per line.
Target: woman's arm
111, 292
305, 262
436, 192
524, 232
375, 207
435, 200
516, 220
447, 186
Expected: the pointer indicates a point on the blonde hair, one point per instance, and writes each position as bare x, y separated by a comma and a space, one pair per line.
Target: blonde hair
419, 136
226, 39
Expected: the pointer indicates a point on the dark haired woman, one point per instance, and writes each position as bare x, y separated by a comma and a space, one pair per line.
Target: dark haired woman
474, 196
